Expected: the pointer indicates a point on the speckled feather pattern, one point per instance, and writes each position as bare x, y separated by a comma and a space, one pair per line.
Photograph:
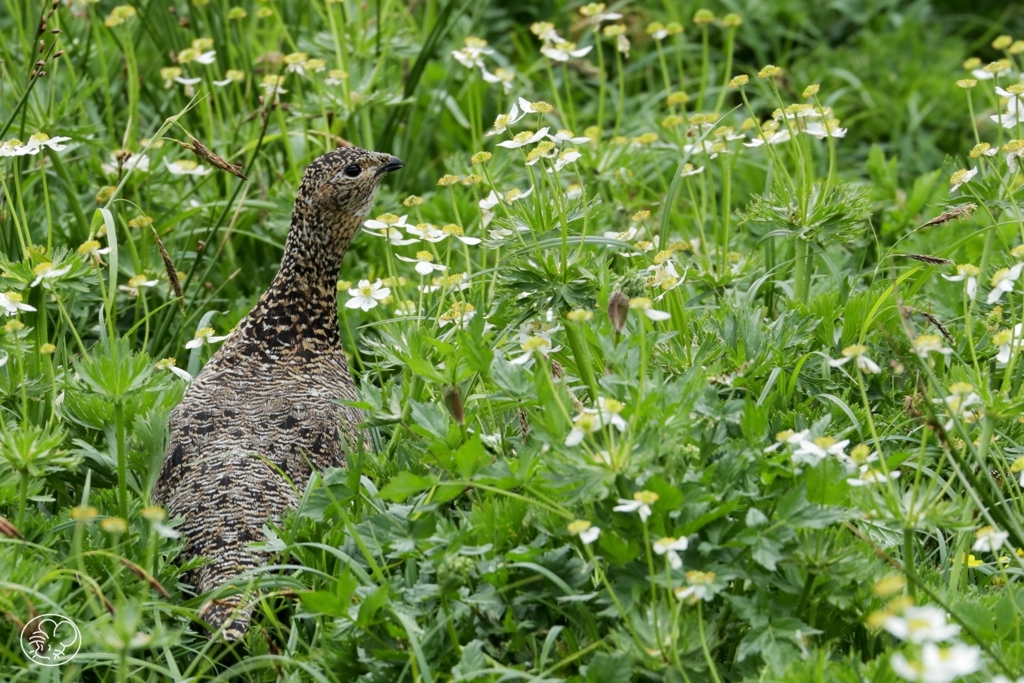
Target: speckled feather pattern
265, 407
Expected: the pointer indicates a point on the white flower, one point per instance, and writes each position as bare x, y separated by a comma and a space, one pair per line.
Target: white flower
136, 162
539, 328
548, 34
45, 272
540, 344
970, 273
600, 17
394, 236
472, 53
11, 303
926, 344
693, 594
822, 130
813, 452
93, 250
961, 396
387, 220
366, 295
1002, 281
925, 624
664, 275
528, 107
1006, 341
271, 85
525, 138
515, 194
335, 77
646, 306
989, 539
452, 230
503, 76
983, 75
624, 236
567, 136
961, 177
787, 437
772, 138
870, 475
205, 336
587, 532
14, 148
424, 262
607, 412
186, 167
689, 170
458, 315
857, 352
1014, 110
132, 288
426, 232
938, 665
388, 225
41, 140
669, 546
172, 365
564, 158
188, 83
503, 121
622, 44
486, 204
563, 50
641, 504
490, 201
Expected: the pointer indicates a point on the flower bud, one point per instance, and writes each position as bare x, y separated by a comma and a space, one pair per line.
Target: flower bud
453, 401
618, 307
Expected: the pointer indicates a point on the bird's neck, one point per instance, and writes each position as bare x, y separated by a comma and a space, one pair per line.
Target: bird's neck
298, 314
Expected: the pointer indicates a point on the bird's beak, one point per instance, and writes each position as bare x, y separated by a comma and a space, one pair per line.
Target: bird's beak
392, 165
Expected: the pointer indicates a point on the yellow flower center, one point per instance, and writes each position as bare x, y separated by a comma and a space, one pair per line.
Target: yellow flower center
646, 497
854, 351
88, 247
579, 526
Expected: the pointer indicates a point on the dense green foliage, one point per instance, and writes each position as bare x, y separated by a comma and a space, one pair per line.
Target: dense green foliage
721, 385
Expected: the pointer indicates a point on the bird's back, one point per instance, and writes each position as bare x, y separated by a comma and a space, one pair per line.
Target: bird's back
241, 445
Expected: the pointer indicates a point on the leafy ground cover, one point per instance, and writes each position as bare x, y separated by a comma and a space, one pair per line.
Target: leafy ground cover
688, 337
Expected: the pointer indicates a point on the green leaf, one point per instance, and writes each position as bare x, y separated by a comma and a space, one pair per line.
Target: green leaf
372, 604
323, 602
511, 378
610, 668
767, 551
405, 484
332, 491
472, 661
430, 418
471, 456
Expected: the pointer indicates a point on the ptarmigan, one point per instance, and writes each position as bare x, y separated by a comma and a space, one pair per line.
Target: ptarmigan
265, 407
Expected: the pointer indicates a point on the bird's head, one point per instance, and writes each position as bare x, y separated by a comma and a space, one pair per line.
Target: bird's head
344, 181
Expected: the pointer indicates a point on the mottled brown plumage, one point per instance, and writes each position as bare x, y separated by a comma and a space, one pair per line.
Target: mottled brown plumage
265, 407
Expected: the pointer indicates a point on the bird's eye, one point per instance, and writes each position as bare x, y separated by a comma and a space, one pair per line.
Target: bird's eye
353, 170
